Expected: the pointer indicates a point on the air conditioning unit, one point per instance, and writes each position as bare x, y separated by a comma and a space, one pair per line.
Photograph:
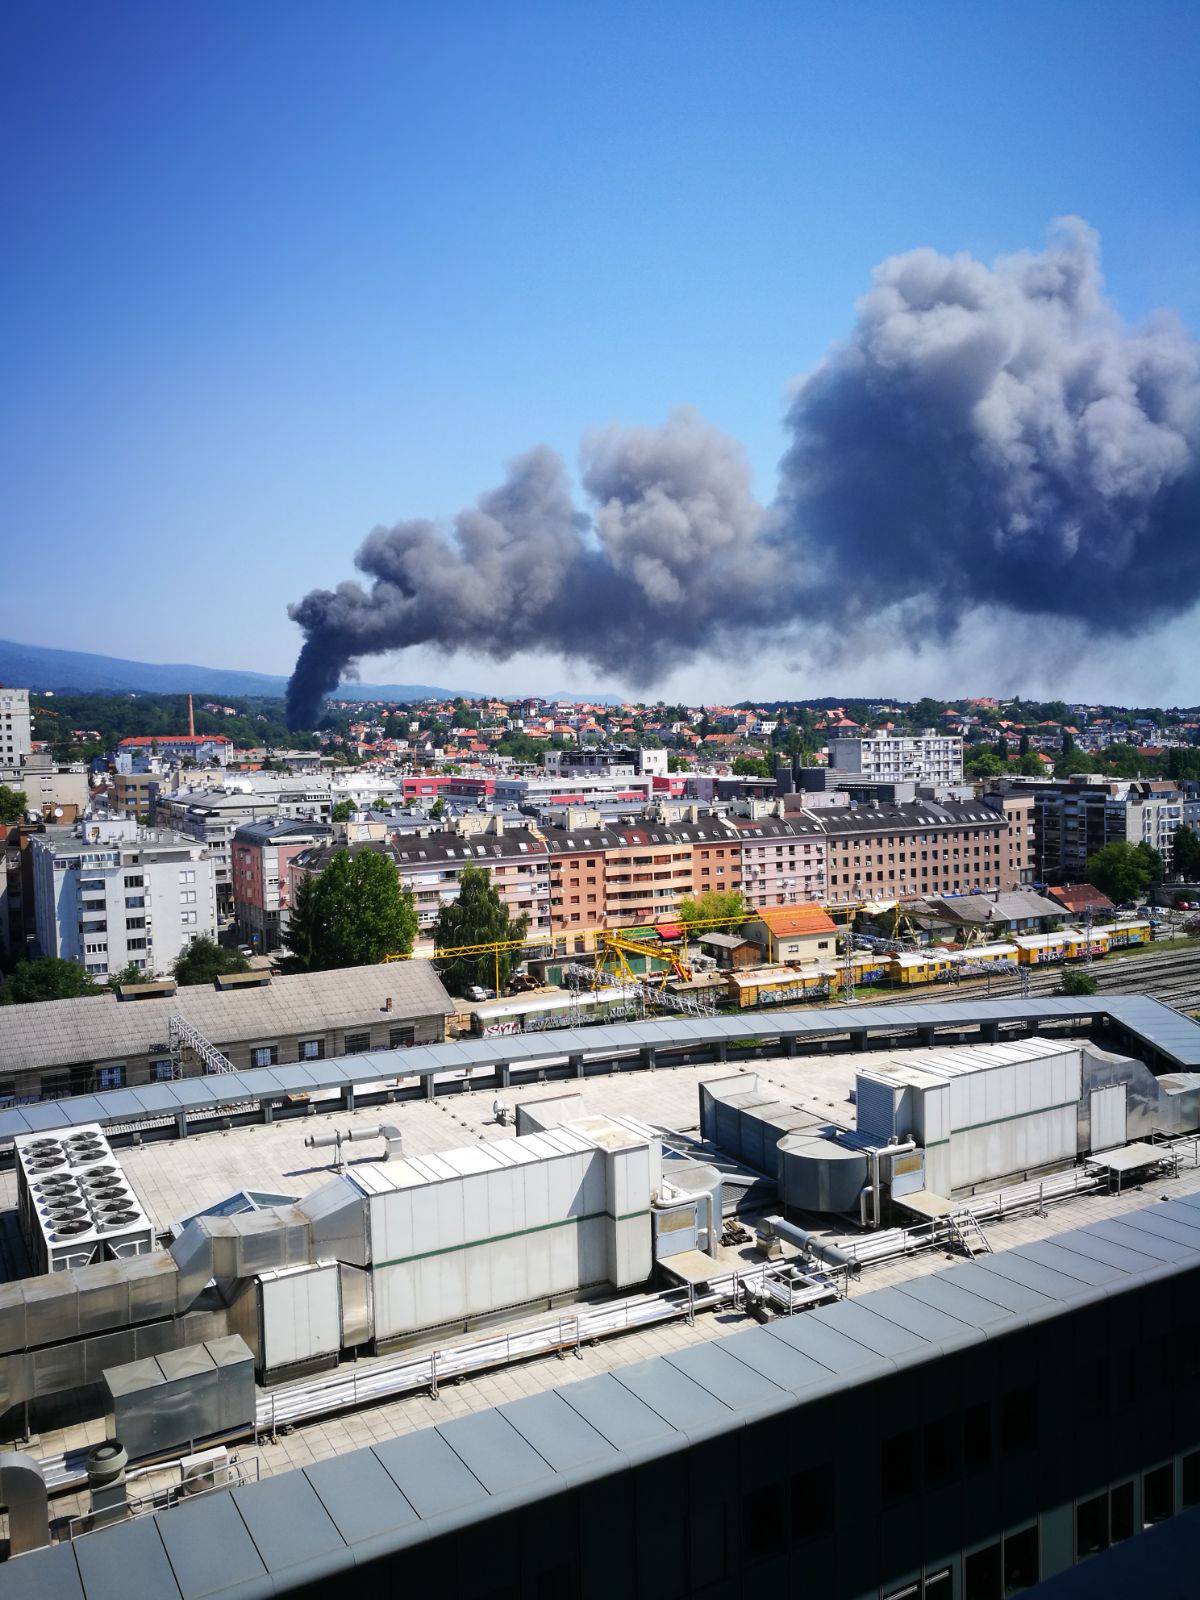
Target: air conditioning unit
207, 1469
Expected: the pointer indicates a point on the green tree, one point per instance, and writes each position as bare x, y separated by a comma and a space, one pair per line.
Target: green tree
352, 914
1152, 861
129, 973
1023, 746
984, 764
343, 811
301, 937
1029, 766
204, 961
752, 767
1068, 742
438, 809
478, 916
1185, 853
712, 910
45, 978
13, 805
1002, 749
1119, 871
1077, 982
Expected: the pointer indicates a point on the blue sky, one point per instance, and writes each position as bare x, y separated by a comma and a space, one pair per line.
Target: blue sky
278, 272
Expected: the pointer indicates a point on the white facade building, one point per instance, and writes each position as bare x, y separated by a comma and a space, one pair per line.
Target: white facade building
108, 893
930, 757
15, 729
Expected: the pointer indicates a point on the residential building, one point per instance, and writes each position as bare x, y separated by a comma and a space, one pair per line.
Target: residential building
259, 857
59, 1047
1073, 818
882, 852
15, 726
783, 859
55, 790
1017, 807
213, 816
794, 936
430, 865
614, 764
652, 867
1153, 809
109, 893
578, 853
17, 921
1081, 900
929, 757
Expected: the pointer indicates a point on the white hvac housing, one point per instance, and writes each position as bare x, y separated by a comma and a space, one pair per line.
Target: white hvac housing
75, 1203
980, 1112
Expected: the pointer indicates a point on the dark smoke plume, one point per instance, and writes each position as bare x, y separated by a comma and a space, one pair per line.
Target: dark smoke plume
987, 437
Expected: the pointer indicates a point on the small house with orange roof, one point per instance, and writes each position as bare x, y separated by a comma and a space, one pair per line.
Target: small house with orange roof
794, 935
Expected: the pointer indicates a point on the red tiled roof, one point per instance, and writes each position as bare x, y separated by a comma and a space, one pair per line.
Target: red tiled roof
787, 921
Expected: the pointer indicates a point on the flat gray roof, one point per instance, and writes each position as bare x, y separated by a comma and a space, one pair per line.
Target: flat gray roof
301, 1526
1174, 1037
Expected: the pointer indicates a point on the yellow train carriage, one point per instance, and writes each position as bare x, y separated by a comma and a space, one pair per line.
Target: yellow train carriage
1080, 944
909, 967
1124, 935
1040, 949
984, 955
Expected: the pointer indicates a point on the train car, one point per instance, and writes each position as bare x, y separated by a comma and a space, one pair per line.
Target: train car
978, 958
1040, 949
870, 967
778, 985
1124, 935
1080, 946
533, 1013
909, 967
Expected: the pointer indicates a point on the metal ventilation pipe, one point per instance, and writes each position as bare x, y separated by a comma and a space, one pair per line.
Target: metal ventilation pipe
23, 1491
387, 1131
808, 1242
106, 1465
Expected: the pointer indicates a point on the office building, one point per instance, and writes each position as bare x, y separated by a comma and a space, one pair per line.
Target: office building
929, 757
15, 726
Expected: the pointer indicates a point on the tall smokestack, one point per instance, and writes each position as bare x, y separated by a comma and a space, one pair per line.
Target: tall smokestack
191, 719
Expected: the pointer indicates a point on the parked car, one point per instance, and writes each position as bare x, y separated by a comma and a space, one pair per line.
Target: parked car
476, 992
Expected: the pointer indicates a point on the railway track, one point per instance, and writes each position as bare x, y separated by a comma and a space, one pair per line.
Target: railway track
1173, 978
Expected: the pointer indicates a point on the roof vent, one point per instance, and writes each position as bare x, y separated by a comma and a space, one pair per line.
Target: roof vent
257, 979
146, 991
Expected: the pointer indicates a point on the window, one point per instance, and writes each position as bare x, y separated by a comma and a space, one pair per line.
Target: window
187, 918
939, 1453
110, 1077
135, 922
1120, 1504
187, 897
135, 944
311, 1050
187, 875
1021, 1560
762, 1522
264, 1055
812, 1502
896, 1466
981, 1574
977, 1435
1191, 1480
357, 1043
939, 1585
160, 1071
1018, 1418
401, 1038
1158, 1494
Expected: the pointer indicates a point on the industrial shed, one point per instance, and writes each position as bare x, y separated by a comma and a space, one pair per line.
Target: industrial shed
57, 1047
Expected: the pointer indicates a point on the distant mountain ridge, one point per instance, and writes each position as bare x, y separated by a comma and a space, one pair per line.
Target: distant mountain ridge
32, 666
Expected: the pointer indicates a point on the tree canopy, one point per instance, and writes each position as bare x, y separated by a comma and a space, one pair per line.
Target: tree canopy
342, 811
752, 767
713, 910
45, 978
1185, 853
204, 960
478, 916
353, 914
1120, 871
1077, 982
13, 805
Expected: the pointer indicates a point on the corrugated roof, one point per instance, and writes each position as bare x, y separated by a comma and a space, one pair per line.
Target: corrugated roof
51, 1033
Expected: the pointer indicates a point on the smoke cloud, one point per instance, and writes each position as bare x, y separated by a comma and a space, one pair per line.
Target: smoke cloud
988, 437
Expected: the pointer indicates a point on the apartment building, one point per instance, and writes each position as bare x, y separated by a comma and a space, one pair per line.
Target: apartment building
783, 859
1075, 817
196, 747
213, 816
929, 757
881, 852
259, 856
55, 790
578, 855
430, 865
1017, 809
109, 893
15, 727
1148, 812
652, 867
